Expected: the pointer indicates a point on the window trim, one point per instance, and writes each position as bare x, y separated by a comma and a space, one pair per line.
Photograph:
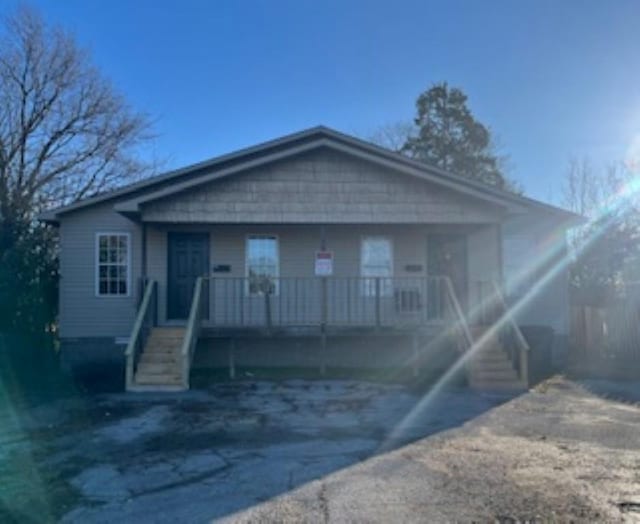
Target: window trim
248, 237
391, 276
96, 261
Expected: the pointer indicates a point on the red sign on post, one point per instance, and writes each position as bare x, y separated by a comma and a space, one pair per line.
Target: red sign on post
324, 263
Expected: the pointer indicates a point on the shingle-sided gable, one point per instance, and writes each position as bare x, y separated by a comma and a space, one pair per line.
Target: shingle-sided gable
321, 186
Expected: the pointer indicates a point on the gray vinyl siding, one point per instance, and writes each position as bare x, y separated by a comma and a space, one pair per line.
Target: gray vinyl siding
85, 315
297, 247
82, 313
289, 199
320, 187
526, 240
484, 262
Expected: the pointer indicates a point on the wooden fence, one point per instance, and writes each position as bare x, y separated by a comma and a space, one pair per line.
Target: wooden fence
605, 341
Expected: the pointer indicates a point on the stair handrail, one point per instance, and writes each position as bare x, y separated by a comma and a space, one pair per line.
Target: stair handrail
136, 340
192, 331
460, 323
523, 346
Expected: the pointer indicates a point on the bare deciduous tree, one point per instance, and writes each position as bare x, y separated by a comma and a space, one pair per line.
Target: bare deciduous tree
64, 131
582, 191
587, 191
606, 247
393, 136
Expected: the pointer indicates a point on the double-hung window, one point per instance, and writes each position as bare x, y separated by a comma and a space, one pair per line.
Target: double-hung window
112, 264
263, 265
376, 266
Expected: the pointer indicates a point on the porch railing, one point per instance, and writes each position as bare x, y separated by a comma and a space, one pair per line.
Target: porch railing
324, 301
146, 318
457, 320
494, 311
192, 331
327, 301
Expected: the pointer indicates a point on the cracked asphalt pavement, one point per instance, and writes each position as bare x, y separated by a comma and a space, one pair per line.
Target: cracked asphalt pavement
325, 451
564, 452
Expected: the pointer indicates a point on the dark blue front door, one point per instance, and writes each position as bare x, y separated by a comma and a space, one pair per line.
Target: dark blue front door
188, 260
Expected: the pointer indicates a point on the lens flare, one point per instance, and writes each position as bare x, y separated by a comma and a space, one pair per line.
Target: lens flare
632, 158
551, 262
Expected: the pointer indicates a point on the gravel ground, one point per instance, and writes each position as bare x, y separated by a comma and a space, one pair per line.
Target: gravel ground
326, 451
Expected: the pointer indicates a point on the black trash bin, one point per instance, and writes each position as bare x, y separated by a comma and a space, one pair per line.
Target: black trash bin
540, 340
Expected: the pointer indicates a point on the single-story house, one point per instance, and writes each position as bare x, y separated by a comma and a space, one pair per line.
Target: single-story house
316, 234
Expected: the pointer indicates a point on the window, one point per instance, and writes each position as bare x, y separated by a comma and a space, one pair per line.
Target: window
262, 264
112, 264
376, 262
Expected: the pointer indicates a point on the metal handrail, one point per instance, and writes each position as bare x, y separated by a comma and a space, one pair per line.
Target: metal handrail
136, 339
336, 301
192, 331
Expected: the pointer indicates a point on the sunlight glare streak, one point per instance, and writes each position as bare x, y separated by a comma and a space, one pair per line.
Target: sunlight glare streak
549, 265
632, 157
17, 453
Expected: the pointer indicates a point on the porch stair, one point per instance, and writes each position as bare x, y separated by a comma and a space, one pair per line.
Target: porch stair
160, 364
490, 368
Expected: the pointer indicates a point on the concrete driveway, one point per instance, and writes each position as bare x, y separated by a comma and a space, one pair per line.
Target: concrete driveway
207, 454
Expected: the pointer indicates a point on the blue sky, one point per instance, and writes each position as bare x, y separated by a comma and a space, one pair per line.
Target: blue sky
553, 79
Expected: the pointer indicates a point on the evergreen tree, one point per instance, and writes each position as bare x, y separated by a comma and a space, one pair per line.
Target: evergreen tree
448, 136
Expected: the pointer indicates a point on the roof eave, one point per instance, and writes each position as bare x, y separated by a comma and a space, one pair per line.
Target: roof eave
293, 142
49, 217
134, 205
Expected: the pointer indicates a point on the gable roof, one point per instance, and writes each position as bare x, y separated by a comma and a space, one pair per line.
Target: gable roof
130, 197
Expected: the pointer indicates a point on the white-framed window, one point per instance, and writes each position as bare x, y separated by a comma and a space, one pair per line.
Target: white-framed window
113, 264
263, 264
376, 265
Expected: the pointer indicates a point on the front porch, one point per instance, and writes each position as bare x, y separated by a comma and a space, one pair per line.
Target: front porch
426, 311
259, 282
